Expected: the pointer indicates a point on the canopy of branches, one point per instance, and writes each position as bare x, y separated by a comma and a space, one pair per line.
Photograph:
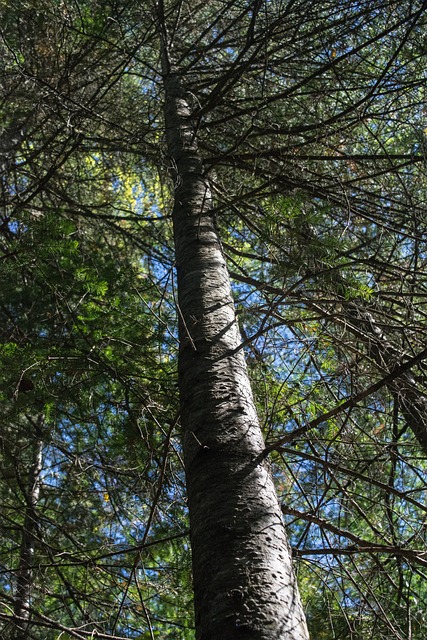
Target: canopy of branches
311, 119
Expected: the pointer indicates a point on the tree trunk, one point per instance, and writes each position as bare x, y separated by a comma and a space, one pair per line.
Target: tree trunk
410, 397
26, 557
412, 400
244, 583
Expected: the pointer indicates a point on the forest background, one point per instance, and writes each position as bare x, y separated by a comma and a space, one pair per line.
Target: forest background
310, 125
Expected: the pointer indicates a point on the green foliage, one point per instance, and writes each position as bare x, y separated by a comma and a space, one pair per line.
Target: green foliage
310, 121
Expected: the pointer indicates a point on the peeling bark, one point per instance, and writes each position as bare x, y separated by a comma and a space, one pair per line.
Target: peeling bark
244, 583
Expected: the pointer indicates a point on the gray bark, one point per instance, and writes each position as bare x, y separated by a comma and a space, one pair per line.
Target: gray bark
244, 583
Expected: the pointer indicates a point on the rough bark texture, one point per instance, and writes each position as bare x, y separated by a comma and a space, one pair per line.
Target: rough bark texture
243, 579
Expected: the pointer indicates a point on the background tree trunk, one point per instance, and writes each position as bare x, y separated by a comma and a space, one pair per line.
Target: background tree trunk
410, 397
244, 583
25, 572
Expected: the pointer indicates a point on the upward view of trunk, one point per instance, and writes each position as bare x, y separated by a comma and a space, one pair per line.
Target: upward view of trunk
244, 583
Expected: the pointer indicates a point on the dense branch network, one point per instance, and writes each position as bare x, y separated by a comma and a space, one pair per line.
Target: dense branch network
310, 122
